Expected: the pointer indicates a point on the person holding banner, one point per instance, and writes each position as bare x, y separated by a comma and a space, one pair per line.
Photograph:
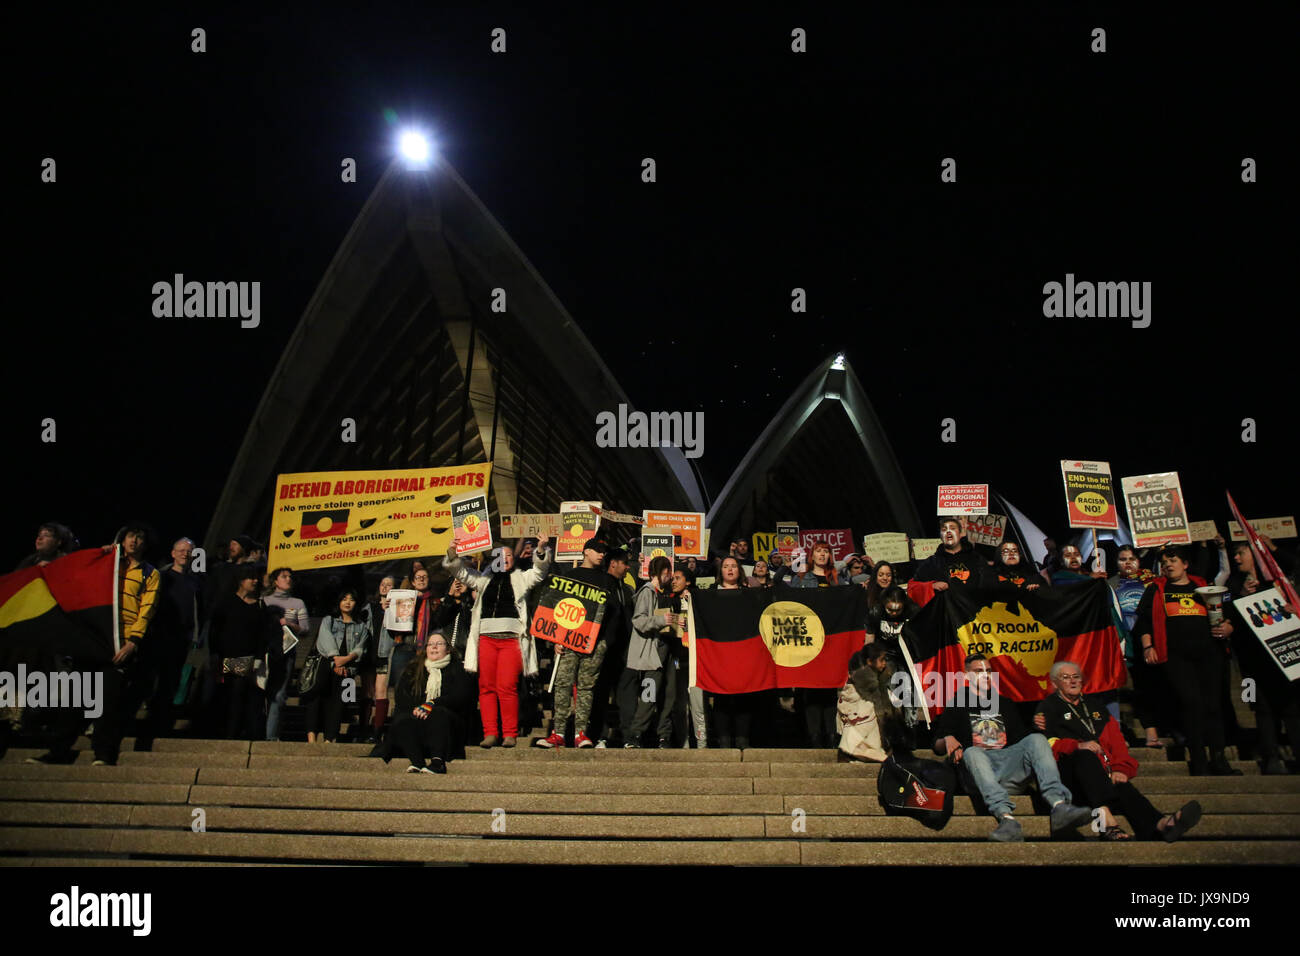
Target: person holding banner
1094, 761
575, 673
1277, 700
1173, 629
733, 714
500, 647
1010, 569
955, 561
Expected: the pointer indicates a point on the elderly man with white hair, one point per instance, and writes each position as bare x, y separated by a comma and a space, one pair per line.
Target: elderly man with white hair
1094, 762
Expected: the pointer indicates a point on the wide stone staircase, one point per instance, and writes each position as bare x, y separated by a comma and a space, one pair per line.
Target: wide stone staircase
218, 802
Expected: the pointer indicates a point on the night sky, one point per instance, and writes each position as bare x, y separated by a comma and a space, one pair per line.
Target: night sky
775, 170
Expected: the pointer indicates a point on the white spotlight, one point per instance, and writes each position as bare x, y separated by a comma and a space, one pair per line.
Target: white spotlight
414, 147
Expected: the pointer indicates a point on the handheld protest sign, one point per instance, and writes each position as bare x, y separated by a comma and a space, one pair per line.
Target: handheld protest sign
580, 525
655, 543
1271, 527
569, 613
923, 548
787, 537
1157, 513
963, 499
471, 529
986, 529
888, 546
1203, 530
1089, 494
532, 526
687, 528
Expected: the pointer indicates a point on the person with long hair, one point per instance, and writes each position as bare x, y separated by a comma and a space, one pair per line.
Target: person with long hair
881, 580
342, 638
733, 714
293, 615
760, 578
53, 541
500, 647
434, 698
819, 704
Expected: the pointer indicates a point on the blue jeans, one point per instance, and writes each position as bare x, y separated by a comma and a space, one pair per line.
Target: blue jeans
277, 698
996, 772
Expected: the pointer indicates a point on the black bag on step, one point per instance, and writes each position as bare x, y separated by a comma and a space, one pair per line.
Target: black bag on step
921, 789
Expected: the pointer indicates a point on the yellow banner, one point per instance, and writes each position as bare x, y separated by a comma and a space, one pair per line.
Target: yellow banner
329, 518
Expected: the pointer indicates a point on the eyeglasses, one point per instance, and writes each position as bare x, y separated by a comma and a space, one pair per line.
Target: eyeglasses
438, 644
1070, 678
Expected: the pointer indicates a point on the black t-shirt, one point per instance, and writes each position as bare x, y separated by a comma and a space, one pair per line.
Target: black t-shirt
1020, 575
240, 629
1085, 722
975, 728
1186, 617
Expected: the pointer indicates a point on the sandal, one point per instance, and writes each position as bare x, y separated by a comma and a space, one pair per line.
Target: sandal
1183, 820
1115, 833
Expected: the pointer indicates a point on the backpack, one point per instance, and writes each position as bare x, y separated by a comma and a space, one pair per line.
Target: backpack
922, 789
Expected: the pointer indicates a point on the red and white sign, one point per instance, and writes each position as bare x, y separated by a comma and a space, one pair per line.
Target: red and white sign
963, 499
840, 541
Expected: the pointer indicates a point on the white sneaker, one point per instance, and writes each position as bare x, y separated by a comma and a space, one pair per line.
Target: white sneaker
414, 769
600, 744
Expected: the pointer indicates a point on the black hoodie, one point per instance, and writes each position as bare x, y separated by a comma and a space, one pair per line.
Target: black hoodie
1019, 575
967, 566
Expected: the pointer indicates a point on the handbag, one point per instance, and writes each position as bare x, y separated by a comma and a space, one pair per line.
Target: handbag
314, 669
921, 789
237, 666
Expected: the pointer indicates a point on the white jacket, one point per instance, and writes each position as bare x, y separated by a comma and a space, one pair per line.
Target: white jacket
521, 582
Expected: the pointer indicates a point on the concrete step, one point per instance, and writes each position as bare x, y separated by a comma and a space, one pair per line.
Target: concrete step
397, 849
79, 862
489, 824
132, 759
1148, 785
82, 792
481, 783
125, 773
1258, 827
1211, 803
451, 801
1081, 853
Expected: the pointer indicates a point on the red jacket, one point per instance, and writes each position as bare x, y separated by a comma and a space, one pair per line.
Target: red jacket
1065, 733
1159, 638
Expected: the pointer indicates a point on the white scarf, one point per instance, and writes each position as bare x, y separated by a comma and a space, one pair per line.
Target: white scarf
433, 686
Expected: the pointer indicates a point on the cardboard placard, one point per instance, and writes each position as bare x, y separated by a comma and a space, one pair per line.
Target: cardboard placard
840, 541
532, 526
580, 525
654, 543
1203, 530
569, 613
986, 529
963, 499
1269, 527
687, 528
1157, 513
471, 529
923, 548
1089, 494
1277, 628
888, 546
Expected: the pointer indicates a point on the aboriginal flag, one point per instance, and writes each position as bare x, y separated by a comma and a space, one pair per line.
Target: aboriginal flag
64, 609
1022, 633
755, 639
324, 524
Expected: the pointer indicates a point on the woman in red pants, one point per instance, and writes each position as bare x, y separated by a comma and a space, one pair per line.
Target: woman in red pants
500, 647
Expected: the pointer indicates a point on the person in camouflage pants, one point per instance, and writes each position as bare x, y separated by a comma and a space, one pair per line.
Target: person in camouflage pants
572, 667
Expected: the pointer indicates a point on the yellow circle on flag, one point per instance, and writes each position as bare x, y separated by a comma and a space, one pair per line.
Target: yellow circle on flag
576, 531
792, 632
570, 613
324, 524
658, 553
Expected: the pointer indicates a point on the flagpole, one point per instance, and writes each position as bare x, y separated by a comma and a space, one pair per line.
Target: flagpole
690, 633
916, 683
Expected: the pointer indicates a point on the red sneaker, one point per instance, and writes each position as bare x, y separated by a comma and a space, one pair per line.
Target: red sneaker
554, 741
582, 740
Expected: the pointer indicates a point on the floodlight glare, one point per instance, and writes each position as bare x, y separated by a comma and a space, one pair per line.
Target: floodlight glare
838, 364
414, 146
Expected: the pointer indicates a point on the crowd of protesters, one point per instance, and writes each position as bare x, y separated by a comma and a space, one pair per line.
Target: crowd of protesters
220, 648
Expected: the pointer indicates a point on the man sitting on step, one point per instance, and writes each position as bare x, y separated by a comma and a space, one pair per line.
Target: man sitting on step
994, 754
1094, 761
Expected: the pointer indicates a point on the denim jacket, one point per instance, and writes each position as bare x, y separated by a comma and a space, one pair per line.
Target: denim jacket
336, 638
